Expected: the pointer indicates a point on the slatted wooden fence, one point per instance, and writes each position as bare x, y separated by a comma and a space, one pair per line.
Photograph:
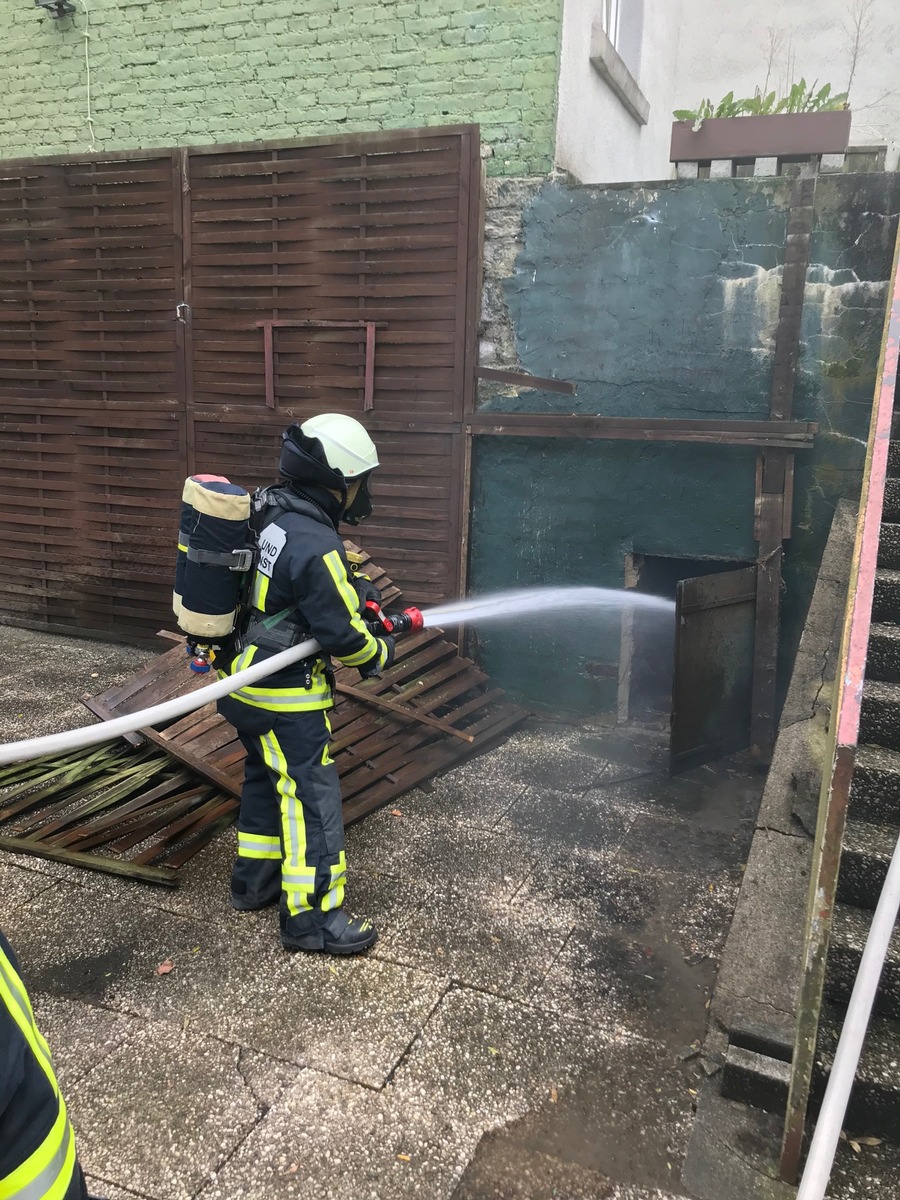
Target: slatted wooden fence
135, 294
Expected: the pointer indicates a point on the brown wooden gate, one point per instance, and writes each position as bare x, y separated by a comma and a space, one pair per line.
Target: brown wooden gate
169, 312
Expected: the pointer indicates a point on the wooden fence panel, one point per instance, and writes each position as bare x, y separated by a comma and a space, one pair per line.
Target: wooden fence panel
133, 290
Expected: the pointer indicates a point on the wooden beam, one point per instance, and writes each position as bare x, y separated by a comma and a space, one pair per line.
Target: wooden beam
94, 862
794, 435
774, 489
401, 710
523, 379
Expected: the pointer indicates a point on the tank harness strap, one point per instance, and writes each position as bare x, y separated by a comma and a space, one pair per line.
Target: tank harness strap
234, 560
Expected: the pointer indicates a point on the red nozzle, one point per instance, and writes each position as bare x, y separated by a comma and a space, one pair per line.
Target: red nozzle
416, 620
409, 621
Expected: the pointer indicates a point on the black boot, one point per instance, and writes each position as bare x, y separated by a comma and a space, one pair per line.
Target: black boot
255, 883
339, 934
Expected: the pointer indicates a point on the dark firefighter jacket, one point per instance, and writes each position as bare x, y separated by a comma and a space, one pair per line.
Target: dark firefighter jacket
303, 566
37, 1146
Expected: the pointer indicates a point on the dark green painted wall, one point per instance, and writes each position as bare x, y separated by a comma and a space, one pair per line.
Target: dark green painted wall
662, 302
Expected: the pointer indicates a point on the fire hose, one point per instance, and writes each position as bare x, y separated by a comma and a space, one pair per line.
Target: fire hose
408, 621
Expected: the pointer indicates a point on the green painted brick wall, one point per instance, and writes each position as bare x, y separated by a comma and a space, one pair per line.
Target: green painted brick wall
189, 72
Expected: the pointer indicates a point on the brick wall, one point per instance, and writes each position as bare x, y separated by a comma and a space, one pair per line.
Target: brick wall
169, 72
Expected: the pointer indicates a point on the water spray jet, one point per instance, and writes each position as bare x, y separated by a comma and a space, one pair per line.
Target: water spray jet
479, 609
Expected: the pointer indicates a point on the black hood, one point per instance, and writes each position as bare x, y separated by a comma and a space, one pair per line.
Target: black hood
303, 463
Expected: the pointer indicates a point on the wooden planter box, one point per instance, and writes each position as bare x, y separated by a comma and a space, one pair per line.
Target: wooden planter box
787, 134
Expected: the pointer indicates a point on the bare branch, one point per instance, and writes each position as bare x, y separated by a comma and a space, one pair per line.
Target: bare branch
858, 29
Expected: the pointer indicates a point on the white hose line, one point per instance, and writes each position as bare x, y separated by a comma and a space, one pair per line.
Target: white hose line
834, 1106
76, 739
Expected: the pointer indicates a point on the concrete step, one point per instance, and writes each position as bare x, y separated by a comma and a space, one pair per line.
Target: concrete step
883, 660
874, 1108
849, 930
879, 721
750, 1077
875, 790
891, 509
889, 545
886, 602
865, 859
894, 457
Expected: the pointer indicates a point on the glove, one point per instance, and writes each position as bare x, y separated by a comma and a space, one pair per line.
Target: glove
386, 651
366, 590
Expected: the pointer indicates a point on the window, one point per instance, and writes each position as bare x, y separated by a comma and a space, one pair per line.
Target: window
609, 20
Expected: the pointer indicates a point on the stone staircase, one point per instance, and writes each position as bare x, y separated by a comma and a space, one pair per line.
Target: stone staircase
873, 826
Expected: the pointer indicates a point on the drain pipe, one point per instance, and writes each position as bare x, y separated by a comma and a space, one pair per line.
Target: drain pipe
77, 739
834, 1106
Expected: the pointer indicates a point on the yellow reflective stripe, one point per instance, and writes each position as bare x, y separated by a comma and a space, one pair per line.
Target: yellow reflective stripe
306, 877
350, 596
14, 995
47, 1173
258, 845
286, 701
260, 591
244, 659
382, 652
183, 549
326, 759
346, 590
334, 897
361, 656
293, 826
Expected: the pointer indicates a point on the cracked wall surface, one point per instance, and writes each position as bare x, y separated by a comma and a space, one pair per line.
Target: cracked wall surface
662, 301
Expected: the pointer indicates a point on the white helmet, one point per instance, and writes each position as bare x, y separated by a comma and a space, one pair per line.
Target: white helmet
348, 447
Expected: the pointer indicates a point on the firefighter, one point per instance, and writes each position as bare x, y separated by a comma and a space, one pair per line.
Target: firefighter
290, 827
37, 1146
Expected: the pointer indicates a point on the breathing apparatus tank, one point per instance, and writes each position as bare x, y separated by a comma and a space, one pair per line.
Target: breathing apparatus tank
214, 557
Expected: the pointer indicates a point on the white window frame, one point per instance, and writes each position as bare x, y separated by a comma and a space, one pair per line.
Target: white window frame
609, 20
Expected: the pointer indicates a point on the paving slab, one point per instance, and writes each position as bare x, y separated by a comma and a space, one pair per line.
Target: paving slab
681, 845
597, 819
414, 848
101, 1189
517, 1173
441, 1053
162, 1112
626, 986
327, 1137
619, 1106
470, 800
17, 887
482, 939
42, 678
486, 1060
80, 1035
593, 888
545, 754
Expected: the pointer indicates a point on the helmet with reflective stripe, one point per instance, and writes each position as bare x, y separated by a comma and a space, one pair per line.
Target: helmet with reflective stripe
347, 446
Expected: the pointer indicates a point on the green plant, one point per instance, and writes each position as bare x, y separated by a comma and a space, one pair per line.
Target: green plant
800, 99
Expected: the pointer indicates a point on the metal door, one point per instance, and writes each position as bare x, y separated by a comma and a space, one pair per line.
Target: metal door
712, 689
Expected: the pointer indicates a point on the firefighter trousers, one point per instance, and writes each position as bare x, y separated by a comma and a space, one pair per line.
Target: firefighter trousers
291, 825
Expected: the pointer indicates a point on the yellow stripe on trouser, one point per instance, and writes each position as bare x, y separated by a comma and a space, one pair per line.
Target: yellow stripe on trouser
298, 878
47, 1173
334, 897
258, 845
